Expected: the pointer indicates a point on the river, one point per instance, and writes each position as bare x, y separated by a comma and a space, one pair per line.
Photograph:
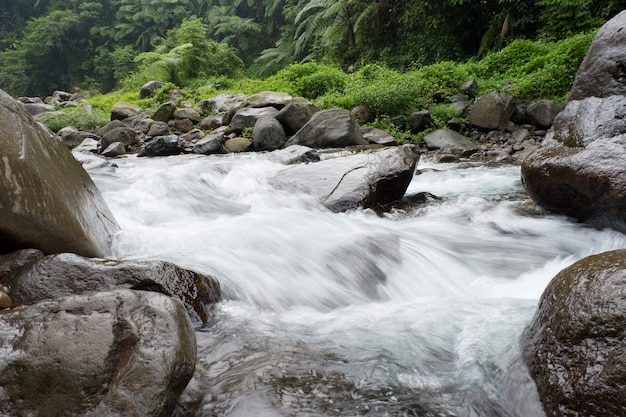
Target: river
417, 312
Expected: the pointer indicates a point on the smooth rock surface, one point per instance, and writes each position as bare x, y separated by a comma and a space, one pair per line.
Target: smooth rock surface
119, 353
603, 71
47, 200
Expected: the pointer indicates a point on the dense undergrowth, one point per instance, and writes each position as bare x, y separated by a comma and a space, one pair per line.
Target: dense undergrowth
528, 70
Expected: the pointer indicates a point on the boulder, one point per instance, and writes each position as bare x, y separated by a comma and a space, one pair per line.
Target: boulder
47, 200
585, 121
268, 134
124, 135
542, 113
73, 137
113, 124
575, 345
62, 275
210, 144
492, 111
247, 117
121, 111
334, 128
588, 184
182, 125
363, 114
295, 115
35, 109
150, 89
222, 103
117, 353
602, 72
378, 137
212, 122
163, 146
114, 149
158, 129
419, 120
238, 144
368, 179
295, 154
450, 141
188, 113
165, 112
268, 99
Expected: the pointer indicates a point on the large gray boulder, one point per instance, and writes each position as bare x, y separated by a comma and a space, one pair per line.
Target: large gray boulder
107, 354
602, 72
362, 180
492, 111
268, 99
47, 200
268, 134
450, 141
334, 128
61, 275
576, 343
295, 115
247, 117
543, 112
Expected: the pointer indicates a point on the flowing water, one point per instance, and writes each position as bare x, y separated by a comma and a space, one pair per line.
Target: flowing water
417, 312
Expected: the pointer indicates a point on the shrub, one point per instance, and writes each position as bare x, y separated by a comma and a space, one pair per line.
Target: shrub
80, 117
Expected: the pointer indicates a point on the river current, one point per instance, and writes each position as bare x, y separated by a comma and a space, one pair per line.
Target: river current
416, 312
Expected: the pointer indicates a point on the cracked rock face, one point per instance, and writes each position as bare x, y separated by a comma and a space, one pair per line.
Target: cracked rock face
47, 200
362, 180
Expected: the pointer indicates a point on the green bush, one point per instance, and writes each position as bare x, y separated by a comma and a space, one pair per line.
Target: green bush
79, 117
309, 80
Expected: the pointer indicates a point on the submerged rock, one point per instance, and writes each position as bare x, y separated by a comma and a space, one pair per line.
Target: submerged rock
575, 345
368, 179
47, 200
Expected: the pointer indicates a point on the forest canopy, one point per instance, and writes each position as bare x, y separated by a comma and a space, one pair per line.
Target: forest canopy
47, 45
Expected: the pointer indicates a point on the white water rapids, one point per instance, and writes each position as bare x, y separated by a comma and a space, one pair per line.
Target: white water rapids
417, 312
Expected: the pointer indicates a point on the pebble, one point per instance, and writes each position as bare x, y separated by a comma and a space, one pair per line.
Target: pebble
5, 300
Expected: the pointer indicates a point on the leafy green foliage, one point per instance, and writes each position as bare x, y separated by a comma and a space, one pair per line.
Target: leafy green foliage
80, 117
309, 80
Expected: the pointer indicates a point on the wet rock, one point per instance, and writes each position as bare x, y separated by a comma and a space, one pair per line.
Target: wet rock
114, 149
295, 115
574, 347
585, 121
603, 71
588, 184
105, 354
5, 300
209, 145
268, 134
163, 146
150, 89
294, 155
450, 140
492, 111
369, 179
48, 201
332, 128
61, 275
